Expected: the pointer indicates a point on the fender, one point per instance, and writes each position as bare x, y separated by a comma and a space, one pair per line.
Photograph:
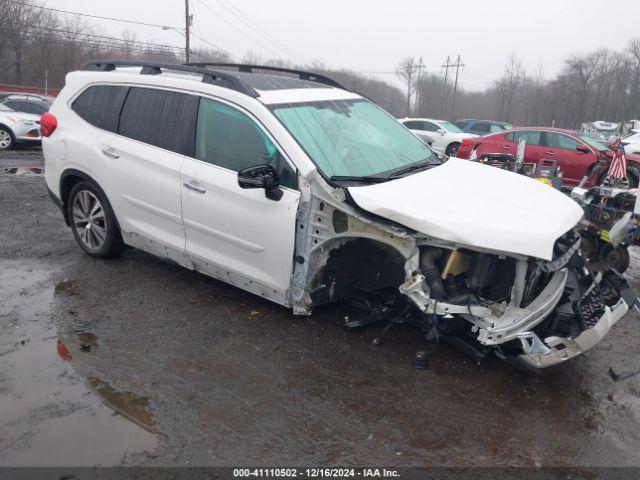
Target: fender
65, 188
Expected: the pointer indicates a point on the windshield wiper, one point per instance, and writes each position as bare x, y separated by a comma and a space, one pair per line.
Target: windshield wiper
355, 178
413, 167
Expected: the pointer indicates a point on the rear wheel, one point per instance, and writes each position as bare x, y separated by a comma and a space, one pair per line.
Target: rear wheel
93, 222
452, 149
7, 141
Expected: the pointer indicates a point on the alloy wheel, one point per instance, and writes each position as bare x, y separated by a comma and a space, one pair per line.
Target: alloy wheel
89, 220
5, 139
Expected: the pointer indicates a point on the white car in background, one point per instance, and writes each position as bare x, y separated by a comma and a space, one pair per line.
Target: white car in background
446, 136
632, 142
18, 127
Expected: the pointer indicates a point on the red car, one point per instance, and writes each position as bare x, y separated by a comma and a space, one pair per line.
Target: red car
573, 152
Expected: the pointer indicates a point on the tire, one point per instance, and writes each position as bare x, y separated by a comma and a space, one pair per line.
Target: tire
93, 222
7, 140
614, 258
632, 175
452, 148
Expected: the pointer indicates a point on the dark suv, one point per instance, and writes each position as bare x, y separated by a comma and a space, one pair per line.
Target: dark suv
482, 127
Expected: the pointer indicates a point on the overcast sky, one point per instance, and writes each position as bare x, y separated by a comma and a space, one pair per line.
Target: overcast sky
371, 36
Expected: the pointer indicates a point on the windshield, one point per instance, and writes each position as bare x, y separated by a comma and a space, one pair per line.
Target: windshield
450, 126
353, 138
594, 142
4, 108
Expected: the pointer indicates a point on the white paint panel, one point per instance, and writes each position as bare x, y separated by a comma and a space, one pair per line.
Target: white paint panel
475, 205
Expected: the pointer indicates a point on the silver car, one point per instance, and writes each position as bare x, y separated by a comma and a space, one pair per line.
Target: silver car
18, 127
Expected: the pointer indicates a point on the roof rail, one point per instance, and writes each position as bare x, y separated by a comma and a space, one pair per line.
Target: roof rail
247, 68
214, 77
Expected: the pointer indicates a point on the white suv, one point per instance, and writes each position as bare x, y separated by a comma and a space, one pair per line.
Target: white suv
445, 136
18, 128
287, 185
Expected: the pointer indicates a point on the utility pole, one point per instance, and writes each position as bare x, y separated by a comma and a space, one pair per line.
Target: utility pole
419, 67
446, 67
187, 49
455, 87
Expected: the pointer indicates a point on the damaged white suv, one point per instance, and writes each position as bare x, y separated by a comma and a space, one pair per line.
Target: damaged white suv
287, 185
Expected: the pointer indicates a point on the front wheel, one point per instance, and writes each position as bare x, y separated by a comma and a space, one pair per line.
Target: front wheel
6, 139
452, 149
633, 179
93, 222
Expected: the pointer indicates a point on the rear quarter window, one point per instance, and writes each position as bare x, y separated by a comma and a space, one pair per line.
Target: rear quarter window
100, 105
161, 118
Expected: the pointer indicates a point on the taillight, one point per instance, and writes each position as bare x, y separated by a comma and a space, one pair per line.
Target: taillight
48, 124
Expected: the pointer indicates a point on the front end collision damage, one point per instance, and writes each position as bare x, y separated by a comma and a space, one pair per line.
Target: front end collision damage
521, 308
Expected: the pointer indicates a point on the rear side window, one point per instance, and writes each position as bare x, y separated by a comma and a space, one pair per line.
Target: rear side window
532, 137
160, 118
100, 105
228, 138
481, 127
413, 125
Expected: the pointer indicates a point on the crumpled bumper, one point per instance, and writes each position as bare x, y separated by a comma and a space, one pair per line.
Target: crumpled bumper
554, 350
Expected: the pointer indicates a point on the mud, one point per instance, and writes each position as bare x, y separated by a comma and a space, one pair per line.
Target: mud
185, 370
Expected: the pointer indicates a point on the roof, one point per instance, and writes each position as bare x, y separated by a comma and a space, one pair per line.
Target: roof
239, 77
548, 129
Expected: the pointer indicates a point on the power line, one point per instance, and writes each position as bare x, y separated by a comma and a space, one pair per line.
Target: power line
89, 15
113, 19
150, 44
217, 14
234, 10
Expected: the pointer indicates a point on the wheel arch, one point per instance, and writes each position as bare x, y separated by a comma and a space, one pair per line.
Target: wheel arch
68, 179
8, 129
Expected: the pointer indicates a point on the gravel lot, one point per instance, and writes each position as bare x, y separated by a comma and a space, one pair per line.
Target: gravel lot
136, 361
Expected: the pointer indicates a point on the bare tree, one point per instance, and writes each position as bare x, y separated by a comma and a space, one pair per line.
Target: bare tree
406, 71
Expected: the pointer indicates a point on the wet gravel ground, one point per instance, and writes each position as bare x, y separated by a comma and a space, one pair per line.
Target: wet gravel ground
136, 361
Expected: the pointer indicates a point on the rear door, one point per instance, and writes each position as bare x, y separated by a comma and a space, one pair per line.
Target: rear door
534, 149
141, 165
238, 234
563, 149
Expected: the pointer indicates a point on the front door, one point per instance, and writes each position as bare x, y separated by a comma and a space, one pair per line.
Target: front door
236, 234
572, 162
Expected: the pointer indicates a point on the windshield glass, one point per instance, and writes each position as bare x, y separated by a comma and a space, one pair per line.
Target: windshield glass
352, 137
4, 108
594, 142
450, 126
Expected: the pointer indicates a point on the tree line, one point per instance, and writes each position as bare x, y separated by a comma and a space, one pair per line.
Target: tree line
39, 45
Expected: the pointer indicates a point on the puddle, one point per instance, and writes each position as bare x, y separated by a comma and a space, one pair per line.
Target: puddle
127, 404
67, 287
50, 414
21, 171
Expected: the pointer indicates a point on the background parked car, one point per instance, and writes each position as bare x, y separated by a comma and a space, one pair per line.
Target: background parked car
35, 104
574, 153
17, 127
482, 127
445, 135
632, 143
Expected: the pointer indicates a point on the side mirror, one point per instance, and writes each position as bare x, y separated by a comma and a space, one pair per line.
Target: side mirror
583, 149
261, 176
441, 131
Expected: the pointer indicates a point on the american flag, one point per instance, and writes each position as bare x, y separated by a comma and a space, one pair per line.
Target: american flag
618, 167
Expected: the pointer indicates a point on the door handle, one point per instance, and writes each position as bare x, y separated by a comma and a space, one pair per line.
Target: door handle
505, 147
195, 188
110, 152
549, 153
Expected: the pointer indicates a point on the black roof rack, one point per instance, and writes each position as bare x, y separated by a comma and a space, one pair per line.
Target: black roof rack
222, 79
302, 75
